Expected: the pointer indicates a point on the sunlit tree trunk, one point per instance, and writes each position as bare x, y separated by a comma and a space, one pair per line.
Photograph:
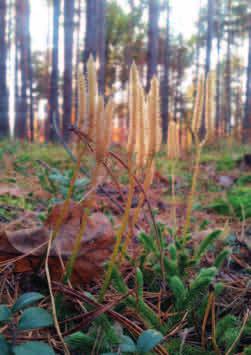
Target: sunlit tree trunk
153, 40
247, 118
53, 105
4, 117
68, 67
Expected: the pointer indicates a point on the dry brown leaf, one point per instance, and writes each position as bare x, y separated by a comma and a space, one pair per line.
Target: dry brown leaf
95, 249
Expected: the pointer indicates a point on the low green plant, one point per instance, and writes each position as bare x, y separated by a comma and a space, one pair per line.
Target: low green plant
146, 342
23, 316
57, 183
237, 202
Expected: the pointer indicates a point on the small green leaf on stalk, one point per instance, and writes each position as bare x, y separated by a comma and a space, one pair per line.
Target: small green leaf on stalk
26, 299
33, 348
5, 313
34, 318
148, 340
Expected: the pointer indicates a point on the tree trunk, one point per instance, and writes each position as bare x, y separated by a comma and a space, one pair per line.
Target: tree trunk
165, 83
91, 30
210, 17
210, 21
101, 43
228, 90
53, 106
153, 40
30, 74
23, 39
218, 69
4, 111
247, 119
78, 59
68, 60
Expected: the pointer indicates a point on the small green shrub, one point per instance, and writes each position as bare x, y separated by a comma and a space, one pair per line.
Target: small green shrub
23, 317
236, 203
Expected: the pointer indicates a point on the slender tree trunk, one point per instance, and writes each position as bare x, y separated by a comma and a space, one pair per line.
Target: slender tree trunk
4, 97
23, 39
218, 69
228, 89
198, 46
165, 83
30, 74
210, 20
153, 40
101, 43
68, 60
16, 86
91, 30
53, 109
218, 85
247, 119
77, 51
210, 17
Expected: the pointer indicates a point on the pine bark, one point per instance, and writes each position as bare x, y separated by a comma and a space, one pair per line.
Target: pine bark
165, 82
101, 43
247, 118
91, 30
22, 44
53, 104
4, 109
68, 66
153, 40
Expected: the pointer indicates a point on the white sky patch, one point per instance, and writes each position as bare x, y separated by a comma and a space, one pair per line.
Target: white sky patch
184, 15
39, 24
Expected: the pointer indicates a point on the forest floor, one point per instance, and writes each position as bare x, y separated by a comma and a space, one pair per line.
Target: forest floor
176, 295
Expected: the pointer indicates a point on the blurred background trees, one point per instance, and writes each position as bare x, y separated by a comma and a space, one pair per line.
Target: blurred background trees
38, 86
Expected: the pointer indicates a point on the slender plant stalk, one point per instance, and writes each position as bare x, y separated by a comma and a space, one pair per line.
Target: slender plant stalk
135, 217
205, 319
84, 219
77, 245
66, 204
53, 304
215, 346
174, 212
193, 187
121, 231
246, 317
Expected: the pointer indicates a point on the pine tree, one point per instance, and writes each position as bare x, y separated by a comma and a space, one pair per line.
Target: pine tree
4, 119
22, 42
68, 65
153, 40
53, 100
91, 30
247, 118
165, 80
101, 40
